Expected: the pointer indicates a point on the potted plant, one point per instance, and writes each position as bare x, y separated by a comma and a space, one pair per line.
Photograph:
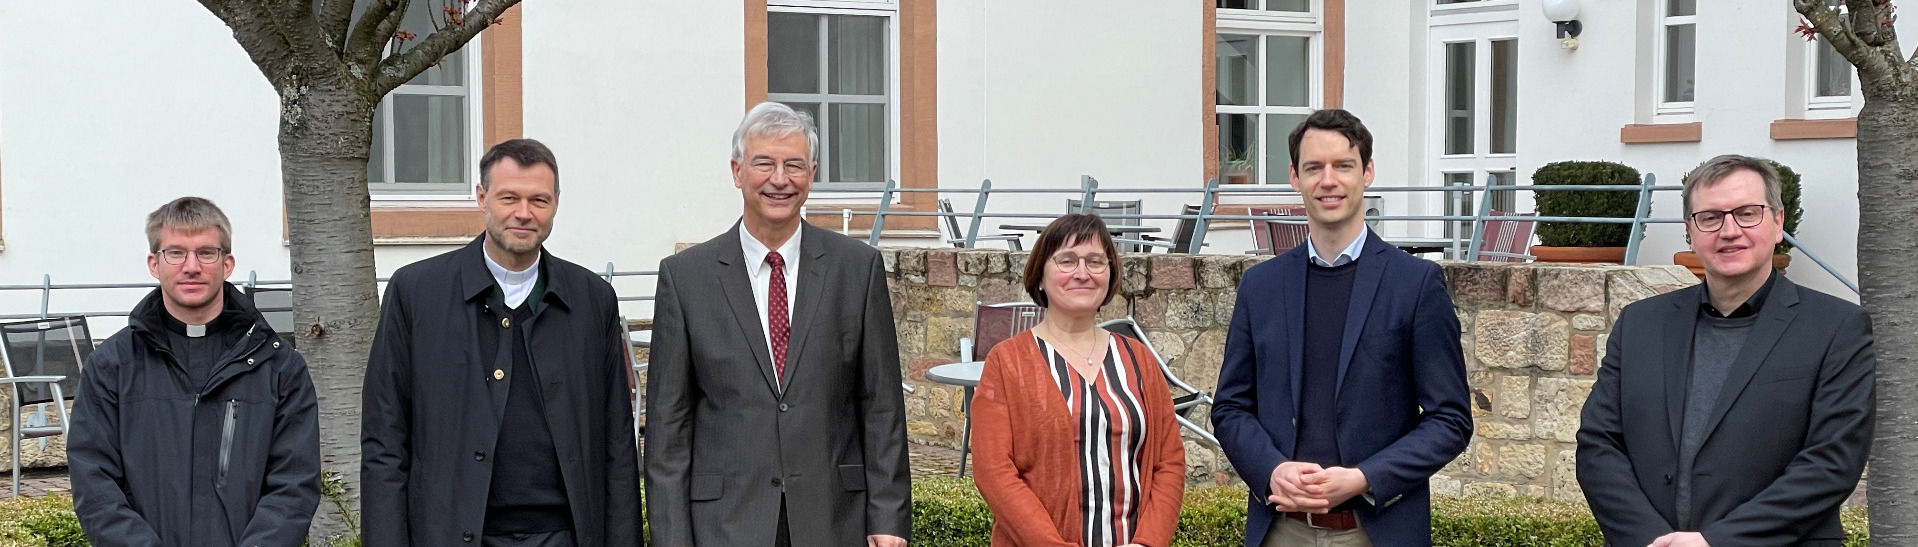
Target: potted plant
1237, 166
1788, 185
1580, 241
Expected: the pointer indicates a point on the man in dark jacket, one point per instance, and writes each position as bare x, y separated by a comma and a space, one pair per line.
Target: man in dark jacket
496, 407
195, 425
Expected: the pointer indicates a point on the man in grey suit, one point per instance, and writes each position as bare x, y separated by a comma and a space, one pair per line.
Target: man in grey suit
1737, 412
773, 404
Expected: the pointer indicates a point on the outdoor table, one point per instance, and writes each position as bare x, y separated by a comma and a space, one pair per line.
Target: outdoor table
1118, 230
642, 338
1416, 245
964, 374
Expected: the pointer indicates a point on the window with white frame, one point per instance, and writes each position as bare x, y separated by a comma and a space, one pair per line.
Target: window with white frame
1268, 78
1828, 74
1678, 56
423, 132
834, 61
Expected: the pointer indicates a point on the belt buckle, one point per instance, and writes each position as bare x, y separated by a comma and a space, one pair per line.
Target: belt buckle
1309, 521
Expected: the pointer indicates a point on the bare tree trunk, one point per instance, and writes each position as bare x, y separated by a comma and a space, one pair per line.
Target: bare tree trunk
1888, 278
325, 135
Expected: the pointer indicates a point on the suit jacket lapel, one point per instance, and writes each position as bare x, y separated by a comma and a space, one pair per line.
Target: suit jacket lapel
1780, 307
1364, 288
1292, 300
806, 301
1682, 322
738, 290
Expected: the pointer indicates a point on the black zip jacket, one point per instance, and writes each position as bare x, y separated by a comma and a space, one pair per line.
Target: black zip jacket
139, 426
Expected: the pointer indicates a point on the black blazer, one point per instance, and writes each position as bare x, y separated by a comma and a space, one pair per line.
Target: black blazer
724, 444
1786, 444
429, 420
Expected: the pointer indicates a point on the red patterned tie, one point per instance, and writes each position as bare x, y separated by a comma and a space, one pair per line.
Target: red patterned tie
777, 322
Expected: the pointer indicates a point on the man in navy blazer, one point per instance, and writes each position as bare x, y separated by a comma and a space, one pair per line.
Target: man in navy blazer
1343, 387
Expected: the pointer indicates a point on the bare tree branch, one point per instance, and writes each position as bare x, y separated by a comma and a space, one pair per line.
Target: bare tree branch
335, 17
256, 35
371, 34
295, 23
1869, 57
398, 69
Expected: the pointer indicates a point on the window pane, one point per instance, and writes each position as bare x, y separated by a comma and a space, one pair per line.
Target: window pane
1288, 74
376, 164
1288, 5
1278, 156
1238, 148
1678, 63
792, 53
1505, 201
1238, 69
1459, 204
858, 143
1504, 96
1680, 8
1459, 93
1834, 72
429, 138
1236, 4
858, 47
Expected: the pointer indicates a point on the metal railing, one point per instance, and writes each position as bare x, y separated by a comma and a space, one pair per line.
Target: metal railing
1088, 191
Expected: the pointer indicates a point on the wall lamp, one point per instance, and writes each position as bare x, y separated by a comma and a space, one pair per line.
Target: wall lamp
1564, 13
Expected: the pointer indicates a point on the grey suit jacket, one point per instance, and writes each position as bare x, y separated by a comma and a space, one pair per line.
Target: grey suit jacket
724, 444
1784, 446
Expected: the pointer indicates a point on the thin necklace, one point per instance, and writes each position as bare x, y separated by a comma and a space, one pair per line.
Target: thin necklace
1065, 345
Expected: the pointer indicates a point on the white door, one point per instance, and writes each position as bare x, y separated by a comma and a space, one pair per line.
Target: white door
1473, 100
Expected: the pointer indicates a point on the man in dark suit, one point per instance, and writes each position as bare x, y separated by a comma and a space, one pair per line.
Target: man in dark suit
1736, 412
1343, 387
774, 414
495, 406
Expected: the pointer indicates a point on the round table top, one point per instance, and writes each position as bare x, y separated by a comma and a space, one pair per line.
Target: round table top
642, 338
963, 373
1114, 228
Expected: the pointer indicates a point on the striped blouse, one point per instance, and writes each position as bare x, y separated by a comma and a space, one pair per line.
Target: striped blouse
1110, 416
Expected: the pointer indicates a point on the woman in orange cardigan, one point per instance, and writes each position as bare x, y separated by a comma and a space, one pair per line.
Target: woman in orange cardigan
1072, 426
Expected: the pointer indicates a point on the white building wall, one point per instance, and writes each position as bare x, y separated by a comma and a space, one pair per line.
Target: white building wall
1384, 66
1035, 94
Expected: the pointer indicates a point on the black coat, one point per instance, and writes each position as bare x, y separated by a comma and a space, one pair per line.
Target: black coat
139, 424
429, 420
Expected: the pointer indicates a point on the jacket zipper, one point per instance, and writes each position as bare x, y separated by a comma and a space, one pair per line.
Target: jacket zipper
226, 437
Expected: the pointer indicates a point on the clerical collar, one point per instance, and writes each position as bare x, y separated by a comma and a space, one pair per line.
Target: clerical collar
515, 285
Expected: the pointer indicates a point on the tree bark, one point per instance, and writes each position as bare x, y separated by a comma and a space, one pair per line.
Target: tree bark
325, 136
1888, 278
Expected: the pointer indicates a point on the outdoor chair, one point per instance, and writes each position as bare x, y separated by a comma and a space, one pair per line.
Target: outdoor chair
1274, 238
1182, 235
1506, 240
958, 238
991, 324
276, 304
42, 359
1185, 398
1103, 208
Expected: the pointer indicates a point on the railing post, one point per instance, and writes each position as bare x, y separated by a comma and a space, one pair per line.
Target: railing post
978, 213
1821, 263
1638, 218
845, 221
1206, 203
1088, 188
609, 273
879, 218
46, 295
1478, 220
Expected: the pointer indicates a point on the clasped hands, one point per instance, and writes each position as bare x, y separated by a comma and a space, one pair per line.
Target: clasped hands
1308, 487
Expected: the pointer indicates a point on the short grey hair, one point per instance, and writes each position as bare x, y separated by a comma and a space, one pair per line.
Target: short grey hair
775, 120
1716, 169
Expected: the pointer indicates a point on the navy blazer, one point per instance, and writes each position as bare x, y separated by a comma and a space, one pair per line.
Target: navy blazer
1402, 396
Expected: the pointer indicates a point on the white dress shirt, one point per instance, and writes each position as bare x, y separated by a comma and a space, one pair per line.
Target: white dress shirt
760, 273
517, 285
1347, 256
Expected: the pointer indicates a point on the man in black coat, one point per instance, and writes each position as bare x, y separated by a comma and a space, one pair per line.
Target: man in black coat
195, 425
1737, 412
496, 406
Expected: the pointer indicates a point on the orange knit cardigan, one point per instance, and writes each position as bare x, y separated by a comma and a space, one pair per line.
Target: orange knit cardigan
1024, 445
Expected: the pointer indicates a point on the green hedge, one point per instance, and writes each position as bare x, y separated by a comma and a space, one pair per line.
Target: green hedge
1586, 203
1788, 193
948, 512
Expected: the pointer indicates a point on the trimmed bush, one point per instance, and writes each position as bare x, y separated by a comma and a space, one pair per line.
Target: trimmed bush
949, 512
1585, 203
1788, 194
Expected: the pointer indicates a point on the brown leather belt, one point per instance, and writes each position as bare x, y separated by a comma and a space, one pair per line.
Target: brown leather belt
1341, 520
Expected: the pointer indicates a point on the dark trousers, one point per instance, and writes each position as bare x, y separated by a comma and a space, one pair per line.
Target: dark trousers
562, 538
